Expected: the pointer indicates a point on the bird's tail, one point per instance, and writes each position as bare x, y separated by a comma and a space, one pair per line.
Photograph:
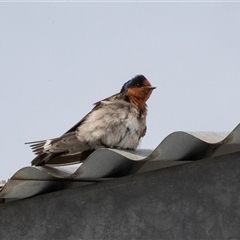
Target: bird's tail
61, 144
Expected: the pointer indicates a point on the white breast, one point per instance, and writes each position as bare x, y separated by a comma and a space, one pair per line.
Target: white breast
113, 125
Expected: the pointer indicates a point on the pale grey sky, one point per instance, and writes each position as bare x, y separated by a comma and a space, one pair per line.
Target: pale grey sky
57, 59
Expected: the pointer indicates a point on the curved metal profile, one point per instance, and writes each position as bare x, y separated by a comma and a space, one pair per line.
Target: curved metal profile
176, 148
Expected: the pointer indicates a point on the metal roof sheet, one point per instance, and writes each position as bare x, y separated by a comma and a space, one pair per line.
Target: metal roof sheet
199, 200
104, 164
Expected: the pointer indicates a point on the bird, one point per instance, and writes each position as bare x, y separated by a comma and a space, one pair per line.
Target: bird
118, 121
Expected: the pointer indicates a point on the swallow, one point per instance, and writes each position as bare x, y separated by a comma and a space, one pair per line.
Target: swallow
117, 122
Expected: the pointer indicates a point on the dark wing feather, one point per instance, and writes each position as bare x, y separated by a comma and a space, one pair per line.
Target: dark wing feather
44, 158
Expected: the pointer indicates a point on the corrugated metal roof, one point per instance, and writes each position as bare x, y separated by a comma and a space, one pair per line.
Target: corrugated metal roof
105, 164
199, 200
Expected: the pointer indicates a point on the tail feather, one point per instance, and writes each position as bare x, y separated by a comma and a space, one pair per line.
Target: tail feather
43, 146
54, 145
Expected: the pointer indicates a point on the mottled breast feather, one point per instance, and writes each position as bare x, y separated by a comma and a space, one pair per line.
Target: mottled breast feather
113, 123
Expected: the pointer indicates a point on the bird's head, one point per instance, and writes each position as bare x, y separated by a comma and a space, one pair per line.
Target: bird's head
138, 87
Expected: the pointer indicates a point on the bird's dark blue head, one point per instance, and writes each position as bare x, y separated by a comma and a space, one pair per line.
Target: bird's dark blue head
137, 81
